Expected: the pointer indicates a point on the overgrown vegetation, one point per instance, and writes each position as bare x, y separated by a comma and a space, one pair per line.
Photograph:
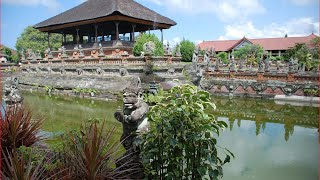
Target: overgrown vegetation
181, 143
223, 56
144, 38
88, 154
307, 56
250, 52
187, 48
38, 41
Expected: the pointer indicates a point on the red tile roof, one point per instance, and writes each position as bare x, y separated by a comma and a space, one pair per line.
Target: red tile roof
267, 43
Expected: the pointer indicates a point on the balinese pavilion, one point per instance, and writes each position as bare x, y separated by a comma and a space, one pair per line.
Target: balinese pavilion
111, 23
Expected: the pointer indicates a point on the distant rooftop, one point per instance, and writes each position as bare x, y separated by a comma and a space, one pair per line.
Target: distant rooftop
268, 44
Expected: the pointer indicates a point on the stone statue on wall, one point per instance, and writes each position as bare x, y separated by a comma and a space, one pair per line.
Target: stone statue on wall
178, 52
232, 67
11, 94
23, 56
206, 58
64, 52
195, 57
133, 119
101, 53
48, 51
81, 54
31, 55
39, 57
293, 64
212, 52
260, 66
266, 62
149, 48
168, 49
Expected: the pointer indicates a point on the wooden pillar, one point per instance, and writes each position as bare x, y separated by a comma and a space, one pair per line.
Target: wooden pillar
49, 40
161, 35
117, 30
133, 30
96, 33
65, 38
78, 38
62, 38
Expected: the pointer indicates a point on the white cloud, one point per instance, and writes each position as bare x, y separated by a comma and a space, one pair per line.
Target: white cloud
51, 4
303, 2
225, 9
294, 27
173, 42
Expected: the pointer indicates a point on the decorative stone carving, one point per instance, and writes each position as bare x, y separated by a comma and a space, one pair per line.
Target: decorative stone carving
232, 67
260, 67
134, 121
62, 71
99, 71
101, 53
31, 55
39, 57
11, 94
177, 52
266, 64
149, 48
81, 54
171, 72
49, 70
64, 53
212, 52
79, 71
23, 56
168, 49
241, 65
217, 64
48, 51
123, 72
293, 64
206, 59
195, 57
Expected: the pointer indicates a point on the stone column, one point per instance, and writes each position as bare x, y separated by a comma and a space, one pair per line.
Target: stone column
65, 38
96, 33
161, 35
117, 30
49, 40
133, 29
62, 38
78, 38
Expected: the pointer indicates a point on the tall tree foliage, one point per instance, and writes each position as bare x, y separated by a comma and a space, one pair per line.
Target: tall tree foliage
144, 38
182, 141
38, 41
223, 56
307, 55
187, 48
251, 52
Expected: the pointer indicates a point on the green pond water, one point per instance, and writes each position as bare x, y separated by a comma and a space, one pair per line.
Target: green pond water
270, 140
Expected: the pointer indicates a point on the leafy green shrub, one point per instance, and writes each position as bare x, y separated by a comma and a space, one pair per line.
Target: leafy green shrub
311, 92
223, 56
144, 38
181, 143
187, 48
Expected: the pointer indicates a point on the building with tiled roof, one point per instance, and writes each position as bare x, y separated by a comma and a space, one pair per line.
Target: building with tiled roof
276, 46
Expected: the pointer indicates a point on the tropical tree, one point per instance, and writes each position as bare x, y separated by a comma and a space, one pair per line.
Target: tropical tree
223, 56
144, 38
306, 56
187, 48
250, 52
38, 41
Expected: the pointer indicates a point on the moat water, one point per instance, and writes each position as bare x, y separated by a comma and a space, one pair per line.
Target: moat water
270, 140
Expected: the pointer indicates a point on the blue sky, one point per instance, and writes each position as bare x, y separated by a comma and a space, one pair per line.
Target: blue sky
197, 20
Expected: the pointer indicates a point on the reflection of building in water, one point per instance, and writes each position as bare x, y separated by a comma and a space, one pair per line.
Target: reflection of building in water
266, 111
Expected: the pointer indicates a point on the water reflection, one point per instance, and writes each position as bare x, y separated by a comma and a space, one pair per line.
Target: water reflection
270, 141
266, 111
